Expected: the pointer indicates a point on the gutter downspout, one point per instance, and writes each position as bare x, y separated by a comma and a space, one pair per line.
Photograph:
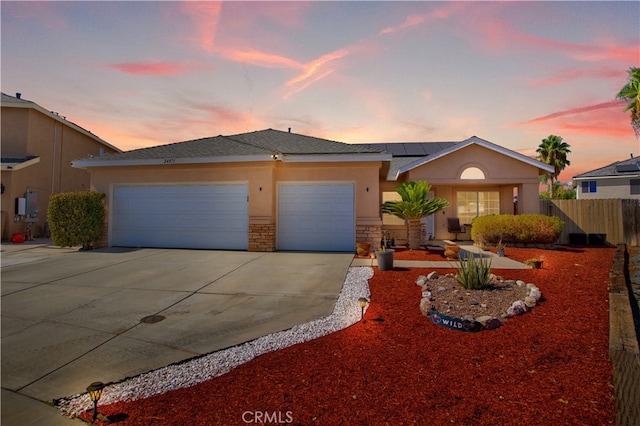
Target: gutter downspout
53, 158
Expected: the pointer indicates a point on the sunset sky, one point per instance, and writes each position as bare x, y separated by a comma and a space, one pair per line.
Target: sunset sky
140, 74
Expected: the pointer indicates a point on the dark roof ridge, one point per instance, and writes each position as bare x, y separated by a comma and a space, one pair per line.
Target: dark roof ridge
254, 145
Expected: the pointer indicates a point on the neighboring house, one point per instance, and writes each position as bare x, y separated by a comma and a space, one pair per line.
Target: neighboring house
37, 149
617, 180
272, 190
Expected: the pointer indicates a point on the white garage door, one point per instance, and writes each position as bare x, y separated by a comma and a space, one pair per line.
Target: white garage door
181, 216
316, 217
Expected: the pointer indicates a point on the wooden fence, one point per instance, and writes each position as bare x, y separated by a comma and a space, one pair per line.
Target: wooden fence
618, 220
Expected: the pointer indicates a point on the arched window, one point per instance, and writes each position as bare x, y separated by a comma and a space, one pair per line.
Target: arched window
472, 173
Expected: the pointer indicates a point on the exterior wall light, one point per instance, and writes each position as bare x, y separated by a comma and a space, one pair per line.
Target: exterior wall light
95, 392
362, 302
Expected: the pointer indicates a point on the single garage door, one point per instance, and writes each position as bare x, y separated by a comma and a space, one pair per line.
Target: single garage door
181, 216
316, 217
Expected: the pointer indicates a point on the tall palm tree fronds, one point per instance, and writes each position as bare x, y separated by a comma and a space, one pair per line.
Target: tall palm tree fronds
413, 207
631, 93
553, 151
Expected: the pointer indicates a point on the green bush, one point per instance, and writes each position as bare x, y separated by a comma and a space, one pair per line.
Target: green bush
514, 229
76, 218
474, 273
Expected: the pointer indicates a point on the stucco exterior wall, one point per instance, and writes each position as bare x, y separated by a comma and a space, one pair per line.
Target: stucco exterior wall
608, 188
263, 179
501, 173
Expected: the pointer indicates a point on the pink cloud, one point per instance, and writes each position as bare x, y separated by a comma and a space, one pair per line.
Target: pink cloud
261, 59
573, 111
492, 27
604, 119
315, 66
441, 12
310, 72
154, 67
569, 74
205, 16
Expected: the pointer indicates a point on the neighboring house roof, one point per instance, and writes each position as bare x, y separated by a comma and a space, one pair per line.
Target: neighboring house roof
629, 168
263, 145
407, 155
11, 163
17, 102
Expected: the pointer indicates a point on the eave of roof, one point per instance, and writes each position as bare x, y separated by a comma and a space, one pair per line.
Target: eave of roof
620, 176
264, 145
12, 102
13, 164
85, 163
609, 171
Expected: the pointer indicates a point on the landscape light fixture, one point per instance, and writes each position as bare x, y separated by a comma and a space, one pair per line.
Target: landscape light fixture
363, 302
95, 392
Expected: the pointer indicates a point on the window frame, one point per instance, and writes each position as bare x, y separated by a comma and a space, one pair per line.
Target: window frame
589, 186
490, 205
387, 218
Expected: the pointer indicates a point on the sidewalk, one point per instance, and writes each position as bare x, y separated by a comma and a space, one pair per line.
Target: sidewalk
496, 262
31, 251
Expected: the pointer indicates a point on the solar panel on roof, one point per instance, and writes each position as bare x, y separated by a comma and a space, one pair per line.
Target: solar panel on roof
632, 167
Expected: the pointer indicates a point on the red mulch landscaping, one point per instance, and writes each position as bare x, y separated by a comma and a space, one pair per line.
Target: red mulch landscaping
547, 367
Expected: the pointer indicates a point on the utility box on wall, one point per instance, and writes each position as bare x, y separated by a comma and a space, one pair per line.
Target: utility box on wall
21, 206
32, 204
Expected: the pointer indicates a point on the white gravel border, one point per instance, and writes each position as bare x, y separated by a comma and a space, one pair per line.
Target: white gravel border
346, 312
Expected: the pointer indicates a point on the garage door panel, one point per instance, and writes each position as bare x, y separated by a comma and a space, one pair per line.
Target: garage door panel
181, 216
318, 217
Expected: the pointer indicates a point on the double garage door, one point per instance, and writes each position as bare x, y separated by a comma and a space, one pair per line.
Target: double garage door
181, 216
311, 217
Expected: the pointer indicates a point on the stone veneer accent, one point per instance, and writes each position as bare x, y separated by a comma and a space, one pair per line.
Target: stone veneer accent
369, 234
262, 237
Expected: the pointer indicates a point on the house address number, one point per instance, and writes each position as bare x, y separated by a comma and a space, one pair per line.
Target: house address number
169, 160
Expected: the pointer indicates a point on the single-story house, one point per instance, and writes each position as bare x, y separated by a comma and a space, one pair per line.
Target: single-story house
616, 180
273, 190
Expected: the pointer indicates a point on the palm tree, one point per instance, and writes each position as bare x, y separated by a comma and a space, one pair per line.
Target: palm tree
631, 93
553, 151
413, 207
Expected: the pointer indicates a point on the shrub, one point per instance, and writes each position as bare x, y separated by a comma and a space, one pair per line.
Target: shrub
76, 218
474, 273
514, 229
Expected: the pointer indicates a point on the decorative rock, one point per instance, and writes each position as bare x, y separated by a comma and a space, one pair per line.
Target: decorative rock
427, 295
530, 301
520, 283
433, 275
425, 307
441, 289
468, 318
493, 323
483, 319
536, 294
474, 303
422, 280
517, 308
483, 305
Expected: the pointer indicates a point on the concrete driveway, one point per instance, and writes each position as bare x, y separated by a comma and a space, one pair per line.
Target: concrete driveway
70, 318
